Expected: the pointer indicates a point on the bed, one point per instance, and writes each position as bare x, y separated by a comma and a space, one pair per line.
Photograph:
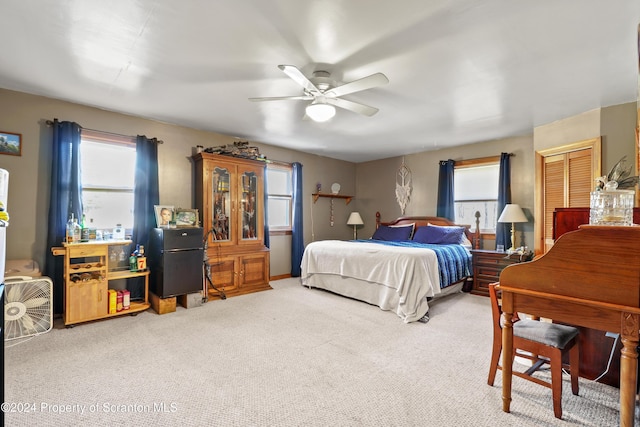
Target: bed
406, 263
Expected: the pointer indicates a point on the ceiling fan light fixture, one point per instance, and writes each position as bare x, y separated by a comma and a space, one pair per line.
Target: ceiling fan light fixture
320, 112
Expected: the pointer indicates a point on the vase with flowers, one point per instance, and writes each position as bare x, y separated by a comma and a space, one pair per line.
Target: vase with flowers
613, 199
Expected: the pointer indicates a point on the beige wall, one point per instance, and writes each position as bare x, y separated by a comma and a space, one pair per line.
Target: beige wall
618, 129
572, 129
376, 180
616, 125
29, 174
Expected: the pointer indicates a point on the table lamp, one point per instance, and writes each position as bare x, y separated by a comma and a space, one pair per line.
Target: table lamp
512, 213
355, 219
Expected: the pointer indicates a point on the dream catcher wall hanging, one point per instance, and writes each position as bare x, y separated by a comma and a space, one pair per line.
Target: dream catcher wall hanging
403, 186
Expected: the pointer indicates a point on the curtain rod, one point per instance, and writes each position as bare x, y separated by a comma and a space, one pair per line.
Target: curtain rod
478, 161
278, 162
159, 141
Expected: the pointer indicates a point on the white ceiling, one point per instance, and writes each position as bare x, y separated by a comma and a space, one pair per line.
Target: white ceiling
460, 71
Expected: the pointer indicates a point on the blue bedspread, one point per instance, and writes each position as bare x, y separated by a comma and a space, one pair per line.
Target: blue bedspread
454, 261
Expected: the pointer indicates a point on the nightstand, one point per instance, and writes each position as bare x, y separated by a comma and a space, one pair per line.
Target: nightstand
487, 266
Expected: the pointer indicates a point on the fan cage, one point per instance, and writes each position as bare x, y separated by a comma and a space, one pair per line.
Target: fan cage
28, 307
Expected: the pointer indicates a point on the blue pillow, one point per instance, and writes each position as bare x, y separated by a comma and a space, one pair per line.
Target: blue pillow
393, 234
436, 234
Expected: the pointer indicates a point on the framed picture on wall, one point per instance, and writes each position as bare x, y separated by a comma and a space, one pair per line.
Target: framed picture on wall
164, 215
10, 143
187, 217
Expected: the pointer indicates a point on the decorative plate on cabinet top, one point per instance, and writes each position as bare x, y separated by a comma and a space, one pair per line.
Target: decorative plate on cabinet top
335, 188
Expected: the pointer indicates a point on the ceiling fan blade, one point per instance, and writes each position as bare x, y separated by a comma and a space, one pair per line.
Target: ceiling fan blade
356, 107
296, 75
377, 79
283, 98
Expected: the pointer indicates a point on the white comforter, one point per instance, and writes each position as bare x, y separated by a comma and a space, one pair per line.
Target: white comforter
404, 277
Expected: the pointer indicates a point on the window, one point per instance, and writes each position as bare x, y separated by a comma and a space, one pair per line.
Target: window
280, 195
476, 189
107, 165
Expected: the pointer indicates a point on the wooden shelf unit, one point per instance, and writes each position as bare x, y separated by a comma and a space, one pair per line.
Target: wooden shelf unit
333, 196
86, 281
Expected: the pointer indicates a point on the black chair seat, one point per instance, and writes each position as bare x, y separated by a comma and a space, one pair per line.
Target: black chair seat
551, 334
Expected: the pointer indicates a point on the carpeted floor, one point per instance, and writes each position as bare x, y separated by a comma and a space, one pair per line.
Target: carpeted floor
290, 356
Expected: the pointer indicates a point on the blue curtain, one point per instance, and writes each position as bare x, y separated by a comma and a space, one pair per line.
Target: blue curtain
146, 194
266, 210
297, 236
445, 207
65, 199
503, 231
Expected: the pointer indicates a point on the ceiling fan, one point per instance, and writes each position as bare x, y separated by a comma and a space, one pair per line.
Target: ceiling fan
325, 95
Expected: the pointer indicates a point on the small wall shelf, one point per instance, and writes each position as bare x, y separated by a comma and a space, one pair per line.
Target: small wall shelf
333, 196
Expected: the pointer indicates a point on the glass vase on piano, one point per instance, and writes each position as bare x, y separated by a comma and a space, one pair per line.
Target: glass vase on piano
611, 206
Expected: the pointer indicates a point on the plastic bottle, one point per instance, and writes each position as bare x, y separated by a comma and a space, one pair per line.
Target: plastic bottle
133, 262
118, 232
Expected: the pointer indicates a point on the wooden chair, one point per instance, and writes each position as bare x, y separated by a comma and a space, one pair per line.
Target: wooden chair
540, 342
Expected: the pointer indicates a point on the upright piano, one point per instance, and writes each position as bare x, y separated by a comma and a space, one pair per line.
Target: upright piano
599, 353
590, 278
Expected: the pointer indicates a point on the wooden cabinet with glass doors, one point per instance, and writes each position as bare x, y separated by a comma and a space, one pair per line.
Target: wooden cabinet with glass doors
230, 196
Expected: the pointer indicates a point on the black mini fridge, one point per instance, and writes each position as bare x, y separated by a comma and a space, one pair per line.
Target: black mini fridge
175, 257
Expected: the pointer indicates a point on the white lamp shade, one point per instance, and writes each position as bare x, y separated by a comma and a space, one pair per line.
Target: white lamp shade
355, 219
320, 112
512, 213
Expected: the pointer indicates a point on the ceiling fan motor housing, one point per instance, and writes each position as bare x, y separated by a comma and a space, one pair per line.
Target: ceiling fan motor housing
322, 80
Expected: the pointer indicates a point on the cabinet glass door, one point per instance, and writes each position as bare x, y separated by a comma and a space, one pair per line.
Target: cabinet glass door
249, 202
221, 209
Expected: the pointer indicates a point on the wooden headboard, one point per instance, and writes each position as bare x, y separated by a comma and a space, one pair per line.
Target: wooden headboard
421, 221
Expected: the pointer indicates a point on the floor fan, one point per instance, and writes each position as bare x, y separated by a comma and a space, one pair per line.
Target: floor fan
28, 307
